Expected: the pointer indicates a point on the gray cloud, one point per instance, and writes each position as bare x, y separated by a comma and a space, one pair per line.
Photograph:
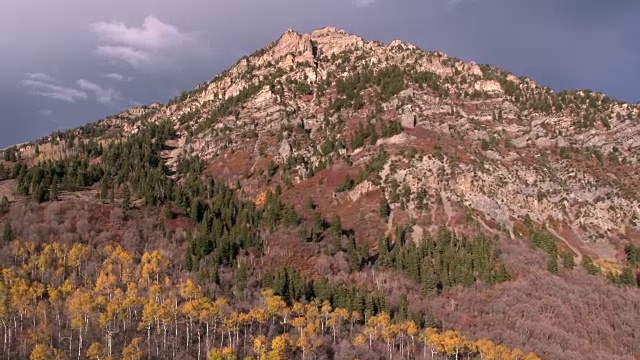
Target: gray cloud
103, 95
363, 3
43, 85
140, 47
118, 77
40, 77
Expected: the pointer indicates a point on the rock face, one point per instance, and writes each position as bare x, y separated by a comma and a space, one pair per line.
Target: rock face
285, 150
409, 119
330, 40
490, 86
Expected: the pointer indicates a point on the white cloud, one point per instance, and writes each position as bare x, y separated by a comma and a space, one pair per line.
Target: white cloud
43, 85
131, 56
103, 95
40, 77
45, 112
140, 47
363, 3
118, 77
453, 4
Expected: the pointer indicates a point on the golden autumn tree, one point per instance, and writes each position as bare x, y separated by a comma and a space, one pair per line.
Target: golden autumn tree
132, 350
45, 352
279, 347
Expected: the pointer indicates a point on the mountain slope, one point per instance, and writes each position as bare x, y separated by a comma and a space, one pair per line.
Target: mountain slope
505, 148
351, 152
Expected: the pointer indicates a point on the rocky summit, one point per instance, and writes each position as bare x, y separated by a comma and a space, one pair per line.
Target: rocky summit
357, 157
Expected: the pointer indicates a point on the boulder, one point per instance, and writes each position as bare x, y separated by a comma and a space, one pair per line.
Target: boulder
409, 120
285, 149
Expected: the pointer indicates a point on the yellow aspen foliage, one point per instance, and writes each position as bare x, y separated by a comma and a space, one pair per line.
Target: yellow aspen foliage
359, 341
434, 341
531, 356
411, 328
452, 342
299, 323
153, 264
516, 354
279, 346
78, 253
297, 308
275, 305
44, 352
214, 354
132, 351
485, 347
260, 346
226, 353
258, 315
190, 291
502, 353
96, 351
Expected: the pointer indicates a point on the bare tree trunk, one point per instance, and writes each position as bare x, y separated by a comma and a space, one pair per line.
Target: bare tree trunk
199, 347
188, 336
4, 324
80, 344
109, 343
207, 337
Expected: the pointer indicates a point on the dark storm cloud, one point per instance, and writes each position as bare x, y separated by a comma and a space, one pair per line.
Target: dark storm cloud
68, 62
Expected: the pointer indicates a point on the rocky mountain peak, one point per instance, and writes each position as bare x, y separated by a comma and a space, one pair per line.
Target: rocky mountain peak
291, 42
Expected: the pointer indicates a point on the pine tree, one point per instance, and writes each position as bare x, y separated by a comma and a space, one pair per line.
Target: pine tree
403, 310
168, 213
385, 209
429, 279
126, 198
567, 260
502, 274
4, 203
53, 190
242, 275
627, 277
7, 232
309, 204
552, 265
104, 188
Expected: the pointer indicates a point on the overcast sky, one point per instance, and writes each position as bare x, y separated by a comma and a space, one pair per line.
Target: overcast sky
69, 62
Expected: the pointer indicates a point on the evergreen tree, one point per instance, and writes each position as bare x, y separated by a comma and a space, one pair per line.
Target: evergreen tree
7, 232
309, 204
188, 260
567, 260
168, 213
502, 274
552, 265
242, 275
126, 198
4, 203
589, 266
627, 277
403, 310
385, 209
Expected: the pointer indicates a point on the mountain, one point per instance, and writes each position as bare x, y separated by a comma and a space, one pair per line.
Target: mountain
398, 185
